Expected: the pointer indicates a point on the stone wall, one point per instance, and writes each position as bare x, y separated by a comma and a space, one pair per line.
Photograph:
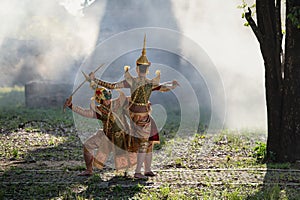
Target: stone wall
46, 94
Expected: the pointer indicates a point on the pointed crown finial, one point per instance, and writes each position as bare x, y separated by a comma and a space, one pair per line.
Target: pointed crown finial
144, 47
143, 60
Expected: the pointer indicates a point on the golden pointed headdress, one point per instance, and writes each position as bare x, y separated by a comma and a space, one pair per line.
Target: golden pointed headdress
143, 60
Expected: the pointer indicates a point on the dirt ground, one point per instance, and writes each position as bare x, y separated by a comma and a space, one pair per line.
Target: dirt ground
39, 161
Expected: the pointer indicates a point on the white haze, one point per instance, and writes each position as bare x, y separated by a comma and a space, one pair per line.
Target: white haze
215, 25
57, 38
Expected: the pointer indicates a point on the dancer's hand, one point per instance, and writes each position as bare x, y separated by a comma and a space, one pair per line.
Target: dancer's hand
175, 83
92, 76
68, 102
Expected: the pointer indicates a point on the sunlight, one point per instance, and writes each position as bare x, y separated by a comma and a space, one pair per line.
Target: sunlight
75, 7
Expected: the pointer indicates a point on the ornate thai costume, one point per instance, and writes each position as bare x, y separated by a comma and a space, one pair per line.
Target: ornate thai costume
142, 124
143, 128
114, 136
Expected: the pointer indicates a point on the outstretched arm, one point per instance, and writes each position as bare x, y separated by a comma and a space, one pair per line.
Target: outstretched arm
116, 85
89, 113
167, 86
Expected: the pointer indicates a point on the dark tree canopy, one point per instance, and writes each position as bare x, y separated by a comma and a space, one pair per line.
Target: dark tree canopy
282, 75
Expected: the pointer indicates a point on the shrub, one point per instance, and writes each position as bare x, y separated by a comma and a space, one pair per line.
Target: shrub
260, 152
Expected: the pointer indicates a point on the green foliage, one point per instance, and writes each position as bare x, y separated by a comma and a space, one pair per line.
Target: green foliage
2, 193
260, 152
234, 140
55, 141
12, 97
15, 153
14, 114
244, 5
246, 24
279, 165
117, 188
137, 187
13, 119
164, 191
294, 16
232, 195
270, 193
179, 162
95, 178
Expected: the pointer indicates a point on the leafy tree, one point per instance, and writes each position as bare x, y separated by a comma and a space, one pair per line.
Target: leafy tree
282, 74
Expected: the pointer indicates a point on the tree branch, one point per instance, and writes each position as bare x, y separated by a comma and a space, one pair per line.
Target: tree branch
253, 26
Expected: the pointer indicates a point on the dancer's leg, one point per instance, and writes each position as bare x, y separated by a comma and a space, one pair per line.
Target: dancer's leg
88, 158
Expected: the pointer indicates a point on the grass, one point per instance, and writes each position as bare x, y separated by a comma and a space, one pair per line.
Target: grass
12, 97
260, 152
41, 154
14, 114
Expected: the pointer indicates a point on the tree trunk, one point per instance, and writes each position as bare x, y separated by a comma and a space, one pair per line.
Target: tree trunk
282, 87
290, 144
270, 45
273, 99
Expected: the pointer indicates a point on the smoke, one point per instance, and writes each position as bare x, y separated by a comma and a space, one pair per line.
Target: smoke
218, 28
49, 39
43, 40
